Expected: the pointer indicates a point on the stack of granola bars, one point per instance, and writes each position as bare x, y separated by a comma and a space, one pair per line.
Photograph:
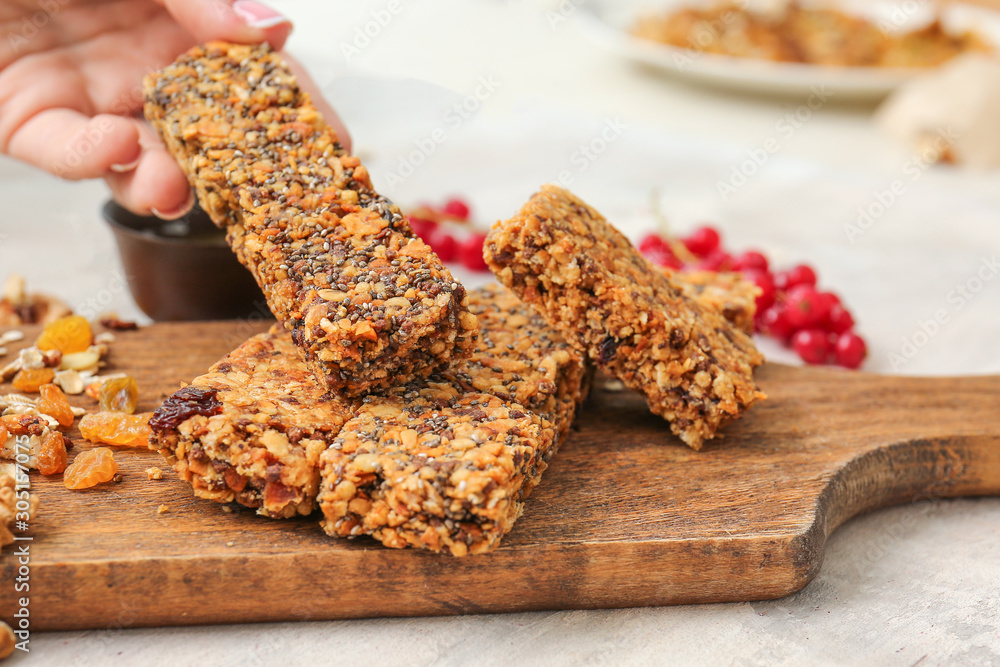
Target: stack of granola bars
398, 403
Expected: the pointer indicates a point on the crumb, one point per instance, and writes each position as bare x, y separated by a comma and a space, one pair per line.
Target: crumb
162, 509
614, 386
154, 473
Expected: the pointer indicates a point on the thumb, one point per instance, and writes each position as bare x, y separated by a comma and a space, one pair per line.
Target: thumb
242, 21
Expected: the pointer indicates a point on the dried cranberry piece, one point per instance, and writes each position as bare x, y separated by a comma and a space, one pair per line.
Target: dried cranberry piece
606, 350
185, 403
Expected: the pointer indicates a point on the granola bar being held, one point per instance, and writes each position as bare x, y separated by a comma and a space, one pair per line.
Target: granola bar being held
635, 322
368, 302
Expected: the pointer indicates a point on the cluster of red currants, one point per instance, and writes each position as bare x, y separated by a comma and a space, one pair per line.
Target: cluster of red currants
432, 224
789, 308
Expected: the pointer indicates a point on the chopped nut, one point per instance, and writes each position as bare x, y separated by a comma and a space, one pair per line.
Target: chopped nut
10, 370
70, 381
8, 500
104, 337
31, 358
154, 473
162, 509
11, 336
80, 361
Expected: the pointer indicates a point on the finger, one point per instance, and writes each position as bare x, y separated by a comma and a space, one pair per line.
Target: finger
309, 86
69, 144
242, 21
157, 185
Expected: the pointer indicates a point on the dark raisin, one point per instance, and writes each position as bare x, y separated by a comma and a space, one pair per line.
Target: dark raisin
606, 350
185, 403
677, 339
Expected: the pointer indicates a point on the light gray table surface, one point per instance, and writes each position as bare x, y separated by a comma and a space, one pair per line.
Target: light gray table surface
916, 584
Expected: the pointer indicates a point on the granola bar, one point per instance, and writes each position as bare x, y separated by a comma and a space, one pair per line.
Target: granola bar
590, 283
728, 293
368, 302
436, 468
521, 359
252, 429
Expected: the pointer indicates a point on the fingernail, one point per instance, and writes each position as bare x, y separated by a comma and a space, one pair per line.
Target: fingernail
256, 15
176, 213
122, 168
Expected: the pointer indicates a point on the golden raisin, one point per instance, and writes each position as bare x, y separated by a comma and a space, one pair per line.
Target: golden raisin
30, 379
92, 467
3, 434
52, 454
116, 428
55, 404
119, 394
67, 334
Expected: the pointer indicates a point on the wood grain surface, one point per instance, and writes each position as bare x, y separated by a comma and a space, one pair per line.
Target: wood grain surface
625, 516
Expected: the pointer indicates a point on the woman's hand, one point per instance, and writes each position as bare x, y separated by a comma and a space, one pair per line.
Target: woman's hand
71, 86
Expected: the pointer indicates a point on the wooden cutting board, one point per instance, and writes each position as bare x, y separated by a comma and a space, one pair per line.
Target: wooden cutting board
625, 516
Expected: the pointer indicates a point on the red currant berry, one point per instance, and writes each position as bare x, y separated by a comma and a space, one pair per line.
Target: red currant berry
471, 253
422, 227
805, 308
839, 320
653, 242
751, 260
445, 245
850, 350
663, 257
654, 248
812, 345
797, 275
716, 260
765, 281
457, 207
702, 241
774, 322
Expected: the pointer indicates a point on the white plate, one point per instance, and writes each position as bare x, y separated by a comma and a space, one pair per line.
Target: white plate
607, 23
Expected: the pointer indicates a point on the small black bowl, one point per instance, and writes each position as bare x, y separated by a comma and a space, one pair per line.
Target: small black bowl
182, 269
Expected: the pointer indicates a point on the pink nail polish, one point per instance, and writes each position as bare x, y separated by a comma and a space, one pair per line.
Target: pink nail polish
257, 15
